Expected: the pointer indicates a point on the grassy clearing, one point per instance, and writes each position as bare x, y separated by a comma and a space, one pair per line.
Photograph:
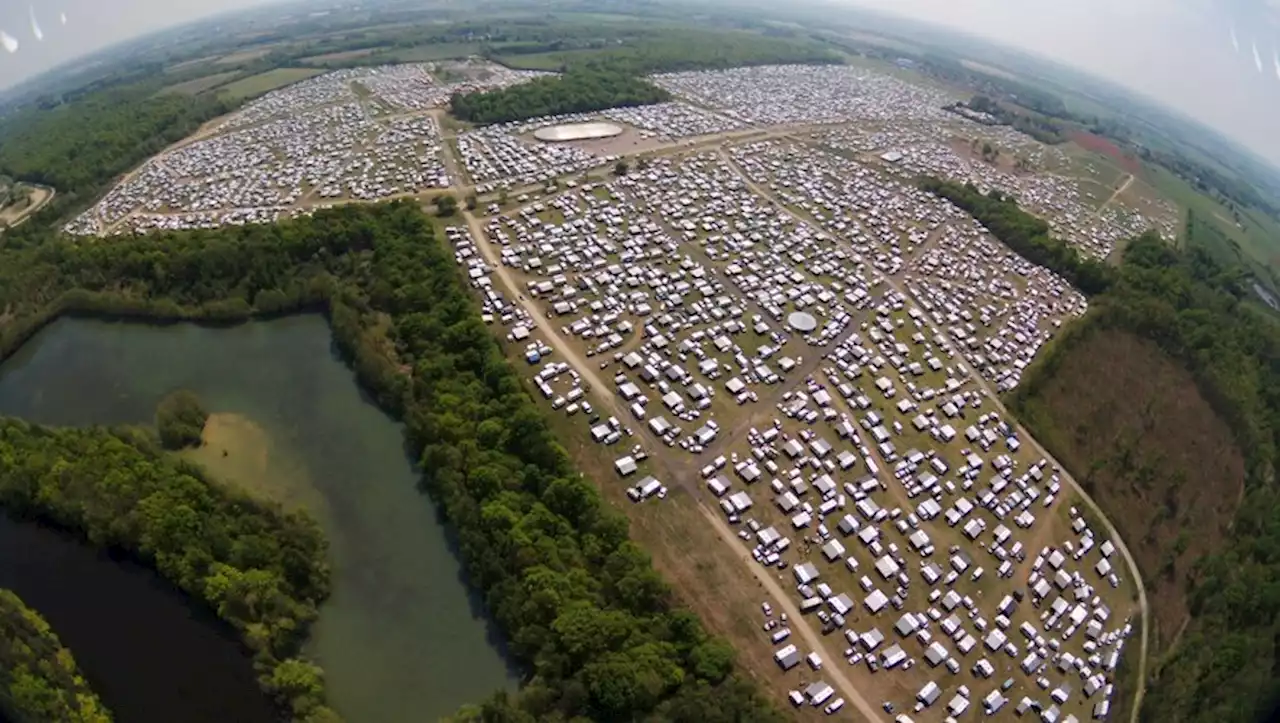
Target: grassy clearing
177, 67
200, 85
1151, 451
423, 53
256, 85
1254, 234
243, 56
341, 56
542, 61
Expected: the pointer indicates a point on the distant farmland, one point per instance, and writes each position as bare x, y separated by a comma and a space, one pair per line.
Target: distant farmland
1098, 144
200, 85
256, 85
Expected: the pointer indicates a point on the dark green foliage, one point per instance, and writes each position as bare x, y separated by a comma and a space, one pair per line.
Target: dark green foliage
261, 569
1027, 235
1224, 668
578, 91
78, 147
446, 205
180, 420
39, 680
583, 609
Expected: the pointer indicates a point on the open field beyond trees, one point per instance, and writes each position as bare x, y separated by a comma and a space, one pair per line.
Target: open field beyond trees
256, 85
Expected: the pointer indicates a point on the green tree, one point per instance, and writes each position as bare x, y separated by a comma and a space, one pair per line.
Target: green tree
180, 419
446, 205
39, 680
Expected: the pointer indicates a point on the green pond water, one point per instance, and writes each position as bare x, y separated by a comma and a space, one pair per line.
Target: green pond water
402, 638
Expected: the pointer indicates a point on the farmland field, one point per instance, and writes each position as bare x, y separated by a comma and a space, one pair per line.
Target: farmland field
341, 56
200, 85
243, 56
423, 53
1105, 147
1255, 235
256, 85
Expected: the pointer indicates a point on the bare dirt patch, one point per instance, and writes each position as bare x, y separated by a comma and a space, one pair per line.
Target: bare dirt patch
238, 451
1149, 448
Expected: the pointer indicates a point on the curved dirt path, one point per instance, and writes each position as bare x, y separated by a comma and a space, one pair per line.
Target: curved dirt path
831, 670
43, 196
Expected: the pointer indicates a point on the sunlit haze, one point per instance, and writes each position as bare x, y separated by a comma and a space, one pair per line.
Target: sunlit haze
1197, 56
90, 25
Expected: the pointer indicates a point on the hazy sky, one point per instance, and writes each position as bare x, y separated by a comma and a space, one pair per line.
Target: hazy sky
1180, 52
91, 25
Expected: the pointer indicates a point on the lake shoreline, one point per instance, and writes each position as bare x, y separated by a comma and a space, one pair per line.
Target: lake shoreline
312, 464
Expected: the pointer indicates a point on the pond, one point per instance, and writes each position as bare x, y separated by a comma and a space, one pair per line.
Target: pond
401, 638
150, 655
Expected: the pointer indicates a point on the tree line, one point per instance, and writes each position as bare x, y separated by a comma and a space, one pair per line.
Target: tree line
1198, 311
593, 625
1023, 232
261, 569
78, 147
577, 91
39, 679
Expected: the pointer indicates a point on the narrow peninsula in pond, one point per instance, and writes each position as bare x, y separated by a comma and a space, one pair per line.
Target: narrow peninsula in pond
263, 570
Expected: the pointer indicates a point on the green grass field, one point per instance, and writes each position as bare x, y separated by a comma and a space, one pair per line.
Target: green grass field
342, 56
256, 85
200, 85
542, 61
244, 56
1256, 236
424, 53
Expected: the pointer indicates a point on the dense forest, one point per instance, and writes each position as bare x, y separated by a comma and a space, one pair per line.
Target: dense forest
577, 91
1223, 668
1024, 233
39, 680
78, 147
261, 569
584, 612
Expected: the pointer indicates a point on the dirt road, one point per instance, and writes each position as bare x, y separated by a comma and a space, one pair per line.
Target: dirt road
40, 196
1123, 187
994, 398
781, 600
